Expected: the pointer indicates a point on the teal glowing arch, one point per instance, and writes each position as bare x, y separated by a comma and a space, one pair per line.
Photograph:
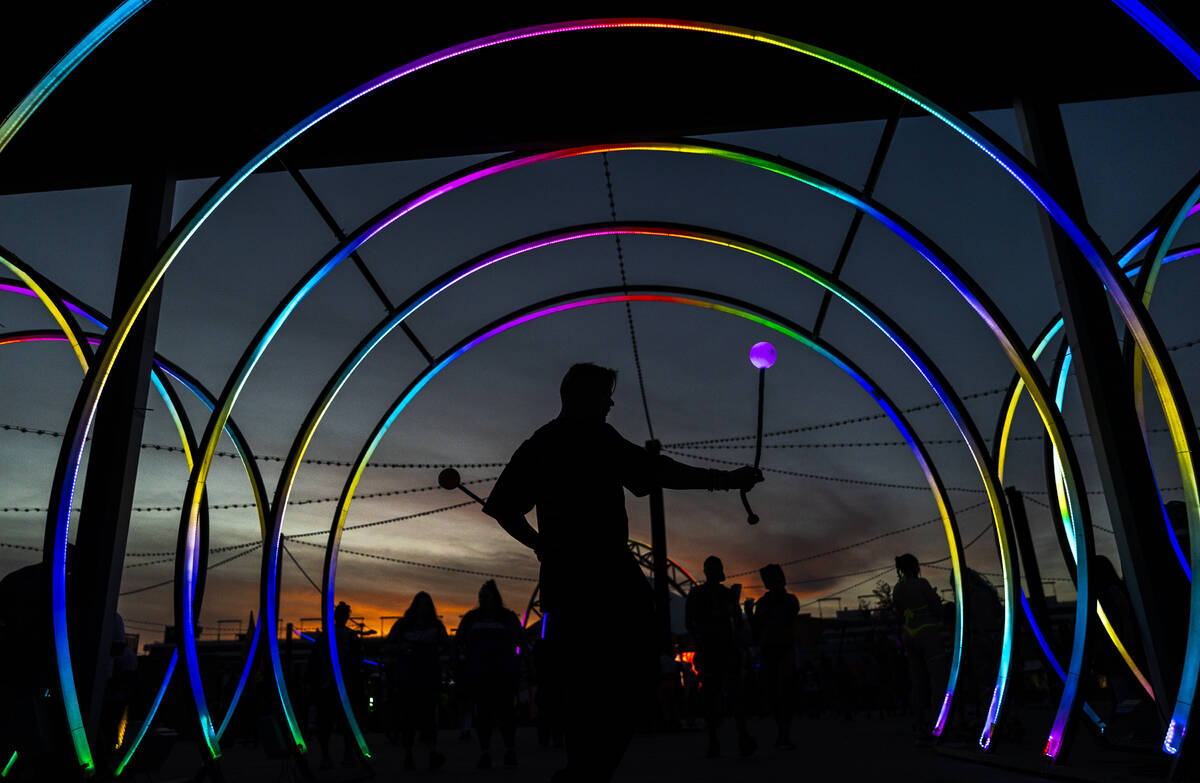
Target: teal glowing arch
57, 302
1155, 242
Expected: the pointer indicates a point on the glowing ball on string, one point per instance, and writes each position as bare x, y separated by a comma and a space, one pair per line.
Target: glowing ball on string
762, 355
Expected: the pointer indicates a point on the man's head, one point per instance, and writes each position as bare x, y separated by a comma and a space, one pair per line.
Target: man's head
772, 576
908, 566
586, 391
341, 613
714, 569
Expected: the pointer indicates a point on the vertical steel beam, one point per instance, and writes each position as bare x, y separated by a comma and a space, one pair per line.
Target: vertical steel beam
1107, 392
99, 559
658, 544
1033, 576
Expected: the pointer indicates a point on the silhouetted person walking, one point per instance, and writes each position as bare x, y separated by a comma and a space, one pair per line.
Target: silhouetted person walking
324, 689
491, 636
575, 470
415, 644
714, 619
920, 610
774, 623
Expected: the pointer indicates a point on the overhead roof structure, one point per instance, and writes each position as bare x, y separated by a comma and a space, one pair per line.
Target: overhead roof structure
205, 85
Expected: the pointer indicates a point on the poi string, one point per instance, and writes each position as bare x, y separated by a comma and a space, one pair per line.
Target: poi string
762, 356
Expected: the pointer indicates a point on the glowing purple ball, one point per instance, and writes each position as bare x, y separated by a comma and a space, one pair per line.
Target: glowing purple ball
762, 355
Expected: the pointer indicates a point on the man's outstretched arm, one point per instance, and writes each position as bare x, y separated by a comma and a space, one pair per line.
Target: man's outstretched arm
676, 475
643, 470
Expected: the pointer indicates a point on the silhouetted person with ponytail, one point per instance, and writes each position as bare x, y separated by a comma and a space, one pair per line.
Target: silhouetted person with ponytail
491, 636
575, 471
415, 645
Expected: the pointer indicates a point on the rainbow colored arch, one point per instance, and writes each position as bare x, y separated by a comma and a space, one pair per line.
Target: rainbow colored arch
1129, 299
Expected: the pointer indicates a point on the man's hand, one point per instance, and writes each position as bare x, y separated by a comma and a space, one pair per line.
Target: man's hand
519, 528
743, 478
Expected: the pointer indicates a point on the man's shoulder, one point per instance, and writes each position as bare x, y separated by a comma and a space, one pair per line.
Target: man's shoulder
558, 428
544, 437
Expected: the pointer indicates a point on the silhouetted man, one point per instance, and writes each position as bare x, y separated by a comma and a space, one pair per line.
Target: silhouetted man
598, 605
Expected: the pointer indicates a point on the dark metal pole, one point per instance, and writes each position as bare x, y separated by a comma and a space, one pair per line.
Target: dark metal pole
1158, 601
99, 559
658, 543
1033, 576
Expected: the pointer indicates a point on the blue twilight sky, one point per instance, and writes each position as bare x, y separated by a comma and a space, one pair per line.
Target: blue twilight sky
1131, 157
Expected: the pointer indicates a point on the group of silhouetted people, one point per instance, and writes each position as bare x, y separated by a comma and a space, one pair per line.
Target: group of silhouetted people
715, 620
487, 645
574, 471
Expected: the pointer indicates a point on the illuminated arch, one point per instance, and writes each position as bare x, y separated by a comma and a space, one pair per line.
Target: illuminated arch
679, 295
47, 292
1163, 373
17, 118
321, 405
188, 443
925, 247
1159, 241
1162, 30
270, 560
51, 298
1160, 256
